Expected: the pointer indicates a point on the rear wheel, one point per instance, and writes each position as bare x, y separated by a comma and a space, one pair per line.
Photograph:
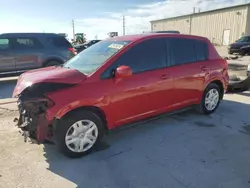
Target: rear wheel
210, 99
52, 63
79, 133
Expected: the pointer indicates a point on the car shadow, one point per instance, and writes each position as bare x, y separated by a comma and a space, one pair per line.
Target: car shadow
247, 94
155, 153
6, 88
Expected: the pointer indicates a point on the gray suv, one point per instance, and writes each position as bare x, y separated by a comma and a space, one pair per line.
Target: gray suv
25, 51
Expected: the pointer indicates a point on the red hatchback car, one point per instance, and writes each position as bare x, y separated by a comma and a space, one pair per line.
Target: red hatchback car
119, 81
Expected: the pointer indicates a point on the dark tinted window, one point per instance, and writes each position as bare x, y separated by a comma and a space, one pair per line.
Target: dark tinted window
59, 42
145, 56
201, 50
183, 51
4, 44
26, 43
244, 39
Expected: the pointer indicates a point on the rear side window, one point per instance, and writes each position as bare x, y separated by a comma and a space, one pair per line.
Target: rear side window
26, 43
60, 42
4, 44
187, 50
145, 56
182, 50
201, 49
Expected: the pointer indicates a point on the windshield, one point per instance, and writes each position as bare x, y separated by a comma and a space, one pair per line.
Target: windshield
95, 56
243, 39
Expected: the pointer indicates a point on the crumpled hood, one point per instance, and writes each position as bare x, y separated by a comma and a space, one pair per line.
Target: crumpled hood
48, 75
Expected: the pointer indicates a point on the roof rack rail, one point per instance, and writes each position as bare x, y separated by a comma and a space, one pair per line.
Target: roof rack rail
170, 31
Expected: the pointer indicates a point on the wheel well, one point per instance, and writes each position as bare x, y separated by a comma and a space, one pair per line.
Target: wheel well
219, 83
52, 59
93, 109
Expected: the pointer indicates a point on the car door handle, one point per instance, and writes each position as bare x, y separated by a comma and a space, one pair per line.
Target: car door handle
164, 77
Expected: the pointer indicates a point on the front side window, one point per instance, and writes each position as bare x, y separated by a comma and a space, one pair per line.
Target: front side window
183, 51
145, 56
4, 44
89, 60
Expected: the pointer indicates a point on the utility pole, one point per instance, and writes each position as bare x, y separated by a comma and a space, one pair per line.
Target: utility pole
123, 25
190, 21
73, 26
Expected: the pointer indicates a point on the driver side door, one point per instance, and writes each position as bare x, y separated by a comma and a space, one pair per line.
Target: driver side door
148, 91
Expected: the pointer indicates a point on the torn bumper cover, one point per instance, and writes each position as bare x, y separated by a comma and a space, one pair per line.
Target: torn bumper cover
237, 85
33, 119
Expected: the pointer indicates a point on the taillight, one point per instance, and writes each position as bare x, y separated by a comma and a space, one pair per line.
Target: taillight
72, 50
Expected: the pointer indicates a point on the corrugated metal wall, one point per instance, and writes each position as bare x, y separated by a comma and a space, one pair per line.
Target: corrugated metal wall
211, 24
248, 22
180, 24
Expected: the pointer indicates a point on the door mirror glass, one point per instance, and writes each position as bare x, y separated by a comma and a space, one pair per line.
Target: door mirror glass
123, 72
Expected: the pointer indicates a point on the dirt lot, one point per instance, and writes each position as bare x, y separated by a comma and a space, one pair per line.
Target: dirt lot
185, 150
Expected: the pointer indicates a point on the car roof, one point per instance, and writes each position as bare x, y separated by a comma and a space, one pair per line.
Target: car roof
136, 37
28, 34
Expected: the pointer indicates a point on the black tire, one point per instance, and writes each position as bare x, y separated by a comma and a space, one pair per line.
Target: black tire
242, 53
67, 122
52, 63
230, 53
202, 107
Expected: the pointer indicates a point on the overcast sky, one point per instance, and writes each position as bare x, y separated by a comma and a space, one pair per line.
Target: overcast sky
95, 17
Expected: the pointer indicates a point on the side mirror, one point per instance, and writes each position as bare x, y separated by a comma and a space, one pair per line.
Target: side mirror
123, 71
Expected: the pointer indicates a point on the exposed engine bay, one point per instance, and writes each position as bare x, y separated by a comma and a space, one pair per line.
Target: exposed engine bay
33, 104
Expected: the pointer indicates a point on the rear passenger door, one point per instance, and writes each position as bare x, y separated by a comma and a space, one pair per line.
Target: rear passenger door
188, 57
28, 51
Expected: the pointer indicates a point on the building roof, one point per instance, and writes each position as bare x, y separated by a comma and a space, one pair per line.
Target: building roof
204, 12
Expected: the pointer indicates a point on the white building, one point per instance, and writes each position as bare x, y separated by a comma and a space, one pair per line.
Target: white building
221, 26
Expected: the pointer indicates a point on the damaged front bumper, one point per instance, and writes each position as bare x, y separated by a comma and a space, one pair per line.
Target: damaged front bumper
33, 119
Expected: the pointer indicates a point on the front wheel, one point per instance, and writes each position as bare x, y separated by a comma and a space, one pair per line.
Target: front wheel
210, 99
79, 133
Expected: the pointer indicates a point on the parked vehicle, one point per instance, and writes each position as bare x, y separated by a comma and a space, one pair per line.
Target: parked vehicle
241, 46
119, 81
20, 52
82, 47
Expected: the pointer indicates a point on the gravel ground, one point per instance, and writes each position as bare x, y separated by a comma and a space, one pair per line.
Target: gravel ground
184, 150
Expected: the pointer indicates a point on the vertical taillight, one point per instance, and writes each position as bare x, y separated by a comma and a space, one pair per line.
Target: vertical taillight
72, 50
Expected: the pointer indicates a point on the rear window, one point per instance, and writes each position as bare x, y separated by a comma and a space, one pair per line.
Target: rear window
201, 50
59, 42
26, 43
186, 50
